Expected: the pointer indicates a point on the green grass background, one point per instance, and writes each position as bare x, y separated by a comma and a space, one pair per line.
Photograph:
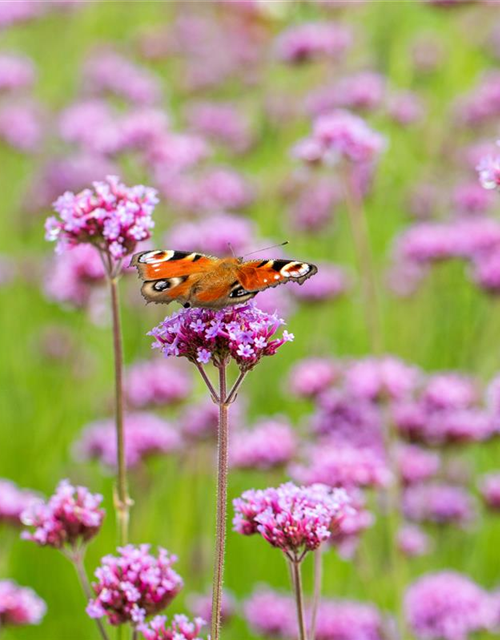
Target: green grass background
44, 404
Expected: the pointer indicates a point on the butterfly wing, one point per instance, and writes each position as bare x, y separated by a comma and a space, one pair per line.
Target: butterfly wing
257, 275
171, 275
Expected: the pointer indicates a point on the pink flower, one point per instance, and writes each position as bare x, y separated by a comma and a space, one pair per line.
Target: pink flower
180, 629
380, 379
293, 519
213, 235
364, 91
490, 490
270, 613
13, 501
471, 199
221, 122
448, 606
329, 283
449, 391
112, 217
16, 72
19, 605
315, 205
438, 503
134, 584
310, 41
349, 620
71, 517
270, 444
311, 376
201, 606
405, 108
145, 435
346, 536
93, 125
412, 541
21, 126
107, 71
243, 333
156, 382
174, 152
417, 464
14, 11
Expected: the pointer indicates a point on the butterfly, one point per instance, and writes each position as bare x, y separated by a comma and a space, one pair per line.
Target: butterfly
198, 280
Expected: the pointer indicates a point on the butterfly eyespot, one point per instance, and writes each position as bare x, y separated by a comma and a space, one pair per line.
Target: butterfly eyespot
161, 285
238, 292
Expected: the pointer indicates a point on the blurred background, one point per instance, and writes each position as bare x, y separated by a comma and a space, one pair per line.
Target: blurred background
208, 102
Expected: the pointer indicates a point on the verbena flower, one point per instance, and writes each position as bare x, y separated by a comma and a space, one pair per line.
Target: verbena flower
243, 333
360, 91
70, 518
134, 584
489, 487
13, 501
381, 378
439, 504
405, 108
269, 444
156, 383
181, 629
201, 606
448, 606
330, 283
311, 41
416, 464
311, 376
112, 217
19, 605
412, 541
21, 125
221, 122
293, 519
145, 435
16, 72
270, 613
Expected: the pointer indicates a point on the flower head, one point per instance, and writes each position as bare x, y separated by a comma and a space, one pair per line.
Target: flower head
270, 444
112, 217
311, 41
490, 490
438, 503
180, 629
19, 605
244, 333
448, 606
134, 584
293, 519
13, 501
156, 382
71, 517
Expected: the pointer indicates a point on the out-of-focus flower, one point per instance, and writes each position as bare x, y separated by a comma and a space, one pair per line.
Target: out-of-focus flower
471, 199
412, 541
312, 376
71, 517
329, 283
243, 333
405, 108
145, 435
416, 464
14, 11
310, 41
221, 122
313, 209
343, 465
19, 605
13, 501
489, 172
16, 72
489, 487
360, 91
21, 126
346, 536
438, 503
447, 606
213, 235
174, 152
112, 217
201, 606
270, 613
449, 391
381, 379
93, 125
349, 620
269, 444
156, 382
424, 200
293, 519
134, 584
107, 71
181, 628
74, 276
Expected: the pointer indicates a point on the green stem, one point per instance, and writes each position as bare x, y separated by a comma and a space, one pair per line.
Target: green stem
318, 581
299, 598
77, 561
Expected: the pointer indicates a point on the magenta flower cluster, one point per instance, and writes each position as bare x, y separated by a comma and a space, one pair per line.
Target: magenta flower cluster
14, 501
133, 585
181, 629
243, 333
19, 605
112, 216
70, 518
291, 518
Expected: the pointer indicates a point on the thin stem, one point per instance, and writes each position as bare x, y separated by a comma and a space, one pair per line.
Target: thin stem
206, 379
318, 583
77, 561
365, 260
236, 387
220, 536
299, 598
122, 500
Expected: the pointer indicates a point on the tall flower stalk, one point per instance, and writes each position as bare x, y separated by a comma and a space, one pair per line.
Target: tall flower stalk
113, 218
242, 334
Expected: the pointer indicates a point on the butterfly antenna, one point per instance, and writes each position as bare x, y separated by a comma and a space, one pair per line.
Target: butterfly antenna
231, 249
274, 246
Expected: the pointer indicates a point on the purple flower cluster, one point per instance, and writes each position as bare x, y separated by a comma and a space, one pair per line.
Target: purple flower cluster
145, 435
412, 541
312, 41
243, 333
439, 504
112, 216
19, 605
329, 283
201, 606
270, 444
156, 383
181, 629
221, 122
363, 91
490, 490
134, 584
293, 519
13, 501
71, 517
448, 606
16, 72
312, 376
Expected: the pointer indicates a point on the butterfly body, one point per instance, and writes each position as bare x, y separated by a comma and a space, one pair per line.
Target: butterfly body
197, 280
